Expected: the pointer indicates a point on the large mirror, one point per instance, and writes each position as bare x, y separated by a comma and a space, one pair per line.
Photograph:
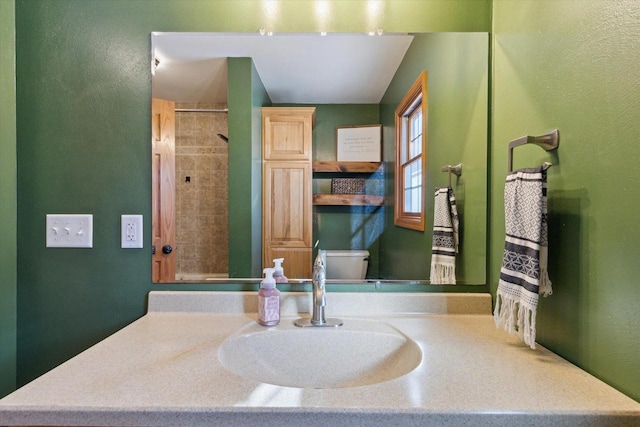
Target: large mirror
216, 85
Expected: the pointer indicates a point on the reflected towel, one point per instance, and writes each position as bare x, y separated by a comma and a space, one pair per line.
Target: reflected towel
523, 275
445, 238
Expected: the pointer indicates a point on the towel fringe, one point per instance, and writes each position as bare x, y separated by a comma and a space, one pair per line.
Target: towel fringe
507, 310
442, 274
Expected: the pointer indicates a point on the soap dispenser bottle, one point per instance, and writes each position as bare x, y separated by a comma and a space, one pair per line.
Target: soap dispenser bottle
278, 273
268, 300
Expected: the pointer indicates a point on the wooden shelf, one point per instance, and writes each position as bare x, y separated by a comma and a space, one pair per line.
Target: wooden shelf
356, 167
347, 200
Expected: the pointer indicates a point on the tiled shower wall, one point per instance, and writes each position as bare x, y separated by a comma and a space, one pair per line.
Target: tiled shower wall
202, 232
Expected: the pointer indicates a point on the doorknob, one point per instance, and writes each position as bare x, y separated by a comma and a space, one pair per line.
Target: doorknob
167, 249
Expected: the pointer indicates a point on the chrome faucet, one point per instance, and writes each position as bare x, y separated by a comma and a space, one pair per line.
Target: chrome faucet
318, 291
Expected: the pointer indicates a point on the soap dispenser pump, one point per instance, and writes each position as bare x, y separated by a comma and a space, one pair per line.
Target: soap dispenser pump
268, 300
278, 273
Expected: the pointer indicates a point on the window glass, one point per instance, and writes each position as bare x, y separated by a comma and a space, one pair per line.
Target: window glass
415, 147
413, 187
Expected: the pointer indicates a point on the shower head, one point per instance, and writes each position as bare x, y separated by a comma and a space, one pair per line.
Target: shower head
224, 138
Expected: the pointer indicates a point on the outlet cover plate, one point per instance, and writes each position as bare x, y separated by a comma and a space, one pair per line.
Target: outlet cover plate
69, 231
131, 231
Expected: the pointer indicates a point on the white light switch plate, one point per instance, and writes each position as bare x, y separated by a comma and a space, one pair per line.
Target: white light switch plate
131, 231
69, 231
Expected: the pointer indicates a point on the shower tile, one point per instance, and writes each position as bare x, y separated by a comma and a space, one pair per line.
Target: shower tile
202, 224
204, 179
204, 163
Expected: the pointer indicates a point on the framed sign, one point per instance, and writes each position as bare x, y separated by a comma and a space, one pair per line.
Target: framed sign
359, 143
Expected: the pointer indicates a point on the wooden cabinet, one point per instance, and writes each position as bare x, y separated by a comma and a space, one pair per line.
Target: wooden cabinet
286, 188
287, 133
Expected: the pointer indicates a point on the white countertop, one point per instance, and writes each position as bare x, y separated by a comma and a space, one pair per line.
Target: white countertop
163, 369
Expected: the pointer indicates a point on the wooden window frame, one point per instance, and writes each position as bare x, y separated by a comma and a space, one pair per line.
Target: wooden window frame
417, 93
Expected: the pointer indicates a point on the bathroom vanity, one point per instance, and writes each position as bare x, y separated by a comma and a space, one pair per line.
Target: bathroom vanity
168, 368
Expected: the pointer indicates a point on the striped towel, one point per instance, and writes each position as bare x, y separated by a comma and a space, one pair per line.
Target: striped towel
524, 265
445, 238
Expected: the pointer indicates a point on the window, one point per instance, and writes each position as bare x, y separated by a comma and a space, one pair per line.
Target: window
410, 173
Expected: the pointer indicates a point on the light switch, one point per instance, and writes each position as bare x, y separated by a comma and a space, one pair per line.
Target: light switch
131, 231
69, 231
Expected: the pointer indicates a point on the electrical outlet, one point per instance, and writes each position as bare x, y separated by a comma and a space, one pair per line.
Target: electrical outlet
131, 231
69, 231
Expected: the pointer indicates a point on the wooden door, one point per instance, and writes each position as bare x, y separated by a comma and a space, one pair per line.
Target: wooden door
163, 190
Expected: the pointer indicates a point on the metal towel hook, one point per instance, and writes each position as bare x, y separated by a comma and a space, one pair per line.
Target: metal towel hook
457, 170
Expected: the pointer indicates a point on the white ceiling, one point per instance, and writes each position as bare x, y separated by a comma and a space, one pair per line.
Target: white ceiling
294, 68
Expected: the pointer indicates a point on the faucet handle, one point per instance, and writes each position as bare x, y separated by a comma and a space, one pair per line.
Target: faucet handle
319, 265
320, 260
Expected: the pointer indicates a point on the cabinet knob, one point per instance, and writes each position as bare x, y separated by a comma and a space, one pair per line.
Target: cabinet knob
167, 249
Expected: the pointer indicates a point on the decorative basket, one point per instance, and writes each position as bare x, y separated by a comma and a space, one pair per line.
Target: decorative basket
347, 186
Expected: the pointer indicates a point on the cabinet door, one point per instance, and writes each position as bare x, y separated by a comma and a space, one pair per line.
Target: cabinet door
287, 216
287, 208
298, 262
287, 133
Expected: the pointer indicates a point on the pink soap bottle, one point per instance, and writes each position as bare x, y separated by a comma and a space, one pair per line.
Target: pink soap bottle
268, 300
278, 271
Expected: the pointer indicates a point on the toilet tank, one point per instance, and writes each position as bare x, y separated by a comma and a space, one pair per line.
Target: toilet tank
347, 264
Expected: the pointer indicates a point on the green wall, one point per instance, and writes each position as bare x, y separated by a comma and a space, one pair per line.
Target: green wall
82, 106
457, 66
8, 201
573, 65
247, 96
345, 227
259, 99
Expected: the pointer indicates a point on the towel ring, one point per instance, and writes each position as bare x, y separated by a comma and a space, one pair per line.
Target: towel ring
549, 141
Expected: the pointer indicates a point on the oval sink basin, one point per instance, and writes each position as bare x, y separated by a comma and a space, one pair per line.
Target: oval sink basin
361, 352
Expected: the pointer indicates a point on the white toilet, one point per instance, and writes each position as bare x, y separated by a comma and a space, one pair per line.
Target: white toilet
346, 264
